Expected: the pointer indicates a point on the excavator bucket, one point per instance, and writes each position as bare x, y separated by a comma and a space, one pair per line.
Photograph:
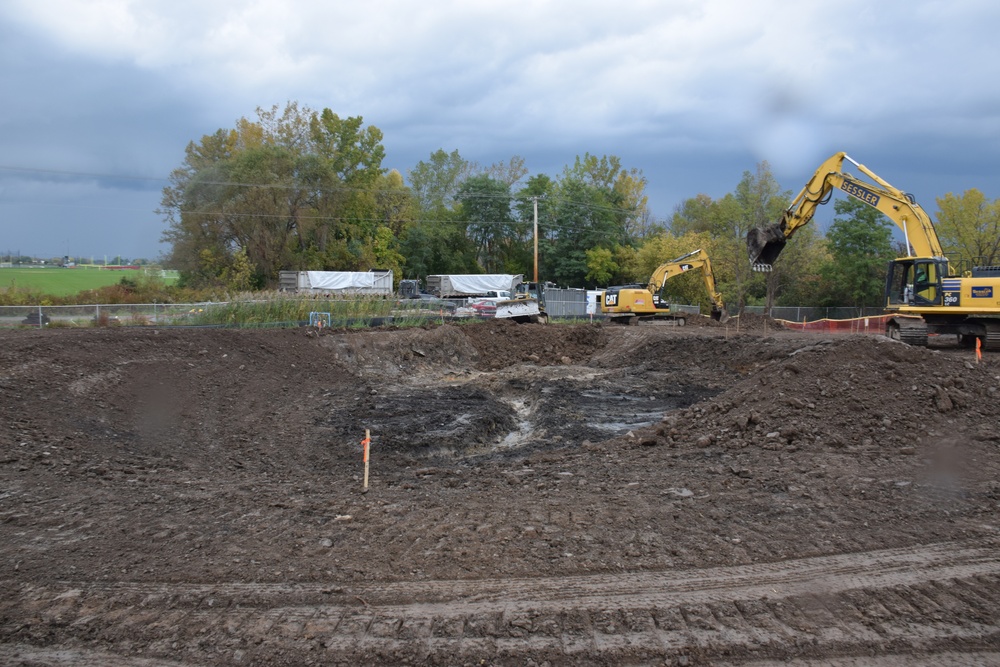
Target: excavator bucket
764, 244
719, 315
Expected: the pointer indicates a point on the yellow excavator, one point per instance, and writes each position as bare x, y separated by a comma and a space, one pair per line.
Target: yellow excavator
628, 304
923, 292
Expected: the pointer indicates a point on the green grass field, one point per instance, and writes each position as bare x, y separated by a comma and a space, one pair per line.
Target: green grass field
66, 282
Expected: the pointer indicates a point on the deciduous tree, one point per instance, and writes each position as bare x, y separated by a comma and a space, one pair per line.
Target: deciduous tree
499, 239
860, 245
436, 181
969, 227
292, 189
687, 288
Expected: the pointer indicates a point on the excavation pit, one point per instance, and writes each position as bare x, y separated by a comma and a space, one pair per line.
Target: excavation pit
577, 494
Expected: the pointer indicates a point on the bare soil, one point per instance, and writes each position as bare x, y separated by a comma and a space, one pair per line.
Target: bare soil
561, 495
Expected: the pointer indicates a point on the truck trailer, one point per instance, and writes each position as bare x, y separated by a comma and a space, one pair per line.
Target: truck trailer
466, 286
376, 282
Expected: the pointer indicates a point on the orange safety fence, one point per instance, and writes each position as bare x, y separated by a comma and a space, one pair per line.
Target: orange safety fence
864, 325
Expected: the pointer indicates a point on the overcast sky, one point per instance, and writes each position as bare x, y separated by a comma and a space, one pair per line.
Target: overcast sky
100, 97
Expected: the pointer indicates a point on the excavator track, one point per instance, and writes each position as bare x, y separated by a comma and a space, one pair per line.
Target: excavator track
939, 601
992, 340
909, 331
986, 332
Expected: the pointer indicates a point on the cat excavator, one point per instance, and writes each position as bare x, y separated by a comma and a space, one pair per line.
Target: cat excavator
924, 293
628, 304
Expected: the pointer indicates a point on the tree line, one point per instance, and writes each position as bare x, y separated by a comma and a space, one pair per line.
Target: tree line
298, 189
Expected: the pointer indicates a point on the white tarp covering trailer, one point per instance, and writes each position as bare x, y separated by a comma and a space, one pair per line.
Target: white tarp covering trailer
454, 285
340, 282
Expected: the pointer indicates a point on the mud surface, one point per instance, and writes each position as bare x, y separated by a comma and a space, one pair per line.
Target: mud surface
554, 494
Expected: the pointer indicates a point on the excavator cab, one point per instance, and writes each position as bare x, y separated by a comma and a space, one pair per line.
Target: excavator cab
915, 282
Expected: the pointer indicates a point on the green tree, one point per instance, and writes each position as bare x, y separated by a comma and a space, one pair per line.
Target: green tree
437, 240
582, 219
499, 239
761, 202
509, 173
292, 189
541, 189
687, 288
726, 221
396, 213
801, 263
601, 265
757, 201
693, 215
436, 181
438, 245
623, 191
630, 196
860, 245
596, 204
238, 275
969, 227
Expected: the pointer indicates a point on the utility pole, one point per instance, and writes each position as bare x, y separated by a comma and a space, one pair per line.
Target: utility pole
535, 200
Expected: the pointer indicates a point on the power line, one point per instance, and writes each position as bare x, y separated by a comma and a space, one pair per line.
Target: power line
330, 218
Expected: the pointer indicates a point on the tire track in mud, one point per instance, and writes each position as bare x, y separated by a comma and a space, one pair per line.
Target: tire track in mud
950, 658
942, 597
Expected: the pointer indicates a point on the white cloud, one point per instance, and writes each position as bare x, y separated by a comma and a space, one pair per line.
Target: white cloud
790, 81
589, 64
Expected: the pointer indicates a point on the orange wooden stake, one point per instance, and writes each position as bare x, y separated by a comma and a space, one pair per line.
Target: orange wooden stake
979, 352
366, 442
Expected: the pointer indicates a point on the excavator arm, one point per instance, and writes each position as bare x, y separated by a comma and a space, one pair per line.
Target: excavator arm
693, 260
765, 244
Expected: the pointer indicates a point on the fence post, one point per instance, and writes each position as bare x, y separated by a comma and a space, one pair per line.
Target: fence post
40, 321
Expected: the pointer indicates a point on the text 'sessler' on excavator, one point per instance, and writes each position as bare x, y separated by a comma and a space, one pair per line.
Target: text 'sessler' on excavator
924, 293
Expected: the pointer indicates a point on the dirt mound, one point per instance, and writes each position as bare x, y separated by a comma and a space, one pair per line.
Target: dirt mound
753, 323
194, 496
717, 355
502, 343
402, 352
159, 396
699, 320
857, 392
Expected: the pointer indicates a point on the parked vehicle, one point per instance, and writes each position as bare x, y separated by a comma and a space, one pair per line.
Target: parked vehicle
487, 285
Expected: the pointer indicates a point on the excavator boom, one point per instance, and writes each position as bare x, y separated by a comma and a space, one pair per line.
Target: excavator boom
765, 244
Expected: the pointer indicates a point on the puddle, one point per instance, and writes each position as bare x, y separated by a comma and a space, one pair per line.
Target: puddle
517, 414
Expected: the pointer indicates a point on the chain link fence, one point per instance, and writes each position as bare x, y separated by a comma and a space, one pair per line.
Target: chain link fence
261, 313
559, 303
105, 315
811, 314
